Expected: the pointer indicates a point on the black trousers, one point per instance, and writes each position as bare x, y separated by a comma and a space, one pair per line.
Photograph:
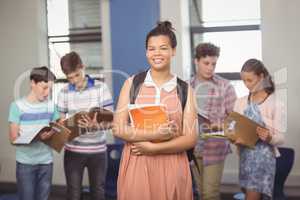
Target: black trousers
74, 164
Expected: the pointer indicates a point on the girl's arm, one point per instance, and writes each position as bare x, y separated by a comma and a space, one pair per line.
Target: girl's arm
122, 130
278, 125
179, 144
275, 125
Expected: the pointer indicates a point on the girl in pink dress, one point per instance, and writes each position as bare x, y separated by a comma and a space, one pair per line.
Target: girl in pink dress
157, 171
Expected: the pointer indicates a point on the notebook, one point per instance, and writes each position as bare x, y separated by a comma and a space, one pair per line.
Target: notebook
239, 126
147, 116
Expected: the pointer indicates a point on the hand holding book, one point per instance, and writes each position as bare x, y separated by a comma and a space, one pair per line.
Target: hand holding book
264, 134
46, 135
241, 130
166, 131
68, 129
62, 131
83, 122
87, 122
152, 118
92, 124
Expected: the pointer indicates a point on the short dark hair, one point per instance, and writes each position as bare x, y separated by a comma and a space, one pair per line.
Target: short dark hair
163, 28
70, 62
40, 74
258, 68
206, 49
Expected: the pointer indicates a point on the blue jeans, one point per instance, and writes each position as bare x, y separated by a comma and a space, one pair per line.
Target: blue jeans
75, 163
34, 181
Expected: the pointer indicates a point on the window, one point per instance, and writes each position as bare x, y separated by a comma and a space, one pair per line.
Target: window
74, 26
234, 26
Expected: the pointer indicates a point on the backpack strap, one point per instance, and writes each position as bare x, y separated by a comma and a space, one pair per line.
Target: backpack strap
182, 92
137, 82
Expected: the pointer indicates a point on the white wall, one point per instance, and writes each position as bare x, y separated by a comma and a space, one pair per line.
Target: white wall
23, 46
281, 50
106, 41
177, 12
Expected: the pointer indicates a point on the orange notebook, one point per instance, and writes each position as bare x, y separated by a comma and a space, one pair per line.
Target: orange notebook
148, 116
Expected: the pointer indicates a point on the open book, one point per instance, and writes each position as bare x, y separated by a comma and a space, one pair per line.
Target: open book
213, 134
71, 123
68, 129
239, 126
28, 138
147, 116
206, 129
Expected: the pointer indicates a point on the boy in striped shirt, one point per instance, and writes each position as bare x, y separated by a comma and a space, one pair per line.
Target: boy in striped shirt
89, 149
27, 116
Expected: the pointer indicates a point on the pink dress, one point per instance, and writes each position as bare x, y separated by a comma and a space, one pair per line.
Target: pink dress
156, 177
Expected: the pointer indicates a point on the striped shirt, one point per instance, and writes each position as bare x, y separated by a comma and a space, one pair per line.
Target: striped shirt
71, 101
215, 100
31, 117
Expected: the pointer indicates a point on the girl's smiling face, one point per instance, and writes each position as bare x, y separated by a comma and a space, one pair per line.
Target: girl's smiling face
159, 52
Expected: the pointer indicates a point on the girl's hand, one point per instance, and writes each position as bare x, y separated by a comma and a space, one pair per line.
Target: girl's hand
167, 131
239, 141
264, 134
143, 148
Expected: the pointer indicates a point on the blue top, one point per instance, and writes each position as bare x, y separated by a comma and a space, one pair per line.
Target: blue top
31, 117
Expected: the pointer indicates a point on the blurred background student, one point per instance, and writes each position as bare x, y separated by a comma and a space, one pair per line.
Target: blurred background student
87, 150
215, 100
27, 116
257, 166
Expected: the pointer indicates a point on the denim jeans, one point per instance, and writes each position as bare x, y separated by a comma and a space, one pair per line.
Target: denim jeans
74, 164
34, 181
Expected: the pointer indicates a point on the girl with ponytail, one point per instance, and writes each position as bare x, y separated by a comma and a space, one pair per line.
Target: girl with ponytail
257, 166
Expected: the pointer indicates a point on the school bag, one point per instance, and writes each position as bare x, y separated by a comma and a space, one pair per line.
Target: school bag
182, 92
